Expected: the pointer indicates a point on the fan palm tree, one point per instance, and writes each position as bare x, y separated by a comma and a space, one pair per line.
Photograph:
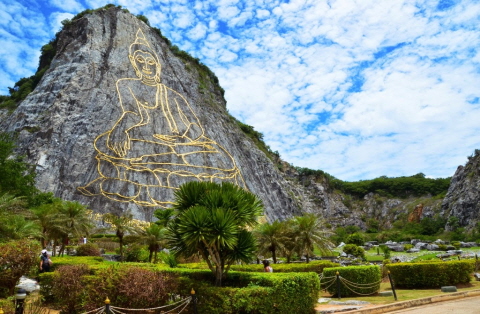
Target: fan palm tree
212, 220
16, 227
310, 232
164, 216
154, 237
271, 237
122, 225
45, 216
73, 219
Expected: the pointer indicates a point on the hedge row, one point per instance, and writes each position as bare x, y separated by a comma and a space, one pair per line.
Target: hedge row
313, 266
431, 274
243, 292
361, 280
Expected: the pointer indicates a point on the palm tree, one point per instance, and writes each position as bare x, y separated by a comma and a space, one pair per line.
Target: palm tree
16, 227
154, 237
122, 224
270, 238
76, 218
212, 220
44, 215
164, 216
310, 232
11, 203
289, 244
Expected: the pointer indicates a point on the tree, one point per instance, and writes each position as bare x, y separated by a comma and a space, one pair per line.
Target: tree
355, 238
270, 238
44, 215
164, 216
122, 224
154, 237
75, 220
310, 232
17, 177
212, 220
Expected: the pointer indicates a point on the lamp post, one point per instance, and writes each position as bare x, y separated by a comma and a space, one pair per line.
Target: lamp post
20, 298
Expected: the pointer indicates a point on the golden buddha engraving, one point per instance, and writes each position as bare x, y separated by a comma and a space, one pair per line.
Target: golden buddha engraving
157, 144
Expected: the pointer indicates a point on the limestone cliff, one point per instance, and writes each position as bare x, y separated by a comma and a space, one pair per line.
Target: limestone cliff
463, 197
118, 122
121, 119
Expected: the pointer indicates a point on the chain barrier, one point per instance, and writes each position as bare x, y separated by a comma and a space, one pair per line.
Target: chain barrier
182, 304
327, 282
356, 292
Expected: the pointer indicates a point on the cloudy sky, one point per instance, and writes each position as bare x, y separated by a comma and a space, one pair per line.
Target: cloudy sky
356, 88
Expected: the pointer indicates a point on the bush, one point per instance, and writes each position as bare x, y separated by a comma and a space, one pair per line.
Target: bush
136, 253
130, 287
430, 274
67, 287
355, 238
260, 293
313, 266
354, 250
88, 249
17, 258
407, 247
361, 279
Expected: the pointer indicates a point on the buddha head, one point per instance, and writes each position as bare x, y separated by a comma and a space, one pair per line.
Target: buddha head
144, 60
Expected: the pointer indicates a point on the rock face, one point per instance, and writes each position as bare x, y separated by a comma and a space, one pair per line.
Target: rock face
463, 196
118, 122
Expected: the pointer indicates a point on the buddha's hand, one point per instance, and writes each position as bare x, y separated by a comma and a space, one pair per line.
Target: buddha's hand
170, 139
119, 142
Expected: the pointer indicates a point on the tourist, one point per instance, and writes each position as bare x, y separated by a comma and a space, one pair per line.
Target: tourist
267, 268
44, 262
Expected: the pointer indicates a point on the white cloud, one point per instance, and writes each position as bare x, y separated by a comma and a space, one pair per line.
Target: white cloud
56, 19
197, 32
358, 89
68, 5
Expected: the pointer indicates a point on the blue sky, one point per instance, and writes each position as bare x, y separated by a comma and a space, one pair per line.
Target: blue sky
358, 89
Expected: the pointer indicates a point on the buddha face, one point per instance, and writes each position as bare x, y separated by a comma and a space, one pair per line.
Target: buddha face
146, 65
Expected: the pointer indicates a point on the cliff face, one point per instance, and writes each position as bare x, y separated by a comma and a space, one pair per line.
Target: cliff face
463, 196
118, 122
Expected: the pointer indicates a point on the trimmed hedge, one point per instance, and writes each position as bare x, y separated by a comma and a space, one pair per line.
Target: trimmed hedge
313, 266
364, 280
431, 274
244, 292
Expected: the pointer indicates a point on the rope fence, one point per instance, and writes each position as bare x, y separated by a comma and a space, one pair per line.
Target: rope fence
177, 308
355, 288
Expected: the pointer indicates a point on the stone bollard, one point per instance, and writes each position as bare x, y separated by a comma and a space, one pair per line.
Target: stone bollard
449, 289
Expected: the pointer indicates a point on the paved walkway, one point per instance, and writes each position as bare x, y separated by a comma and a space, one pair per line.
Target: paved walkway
469, 305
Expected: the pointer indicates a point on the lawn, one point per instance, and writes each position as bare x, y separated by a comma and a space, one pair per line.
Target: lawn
402, 294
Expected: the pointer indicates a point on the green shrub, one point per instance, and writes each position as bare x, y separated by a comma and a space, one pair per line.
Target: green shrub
136, 253
355, 238
313, 266
260, 293
249, 292
7, 306
355, 280
431, 274
17, 258
88, 249
407, 247
354, 250
169, 259
67, 287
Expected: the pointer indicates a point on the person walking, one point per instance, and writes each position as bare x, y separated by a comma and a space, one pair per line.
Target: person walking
44, 262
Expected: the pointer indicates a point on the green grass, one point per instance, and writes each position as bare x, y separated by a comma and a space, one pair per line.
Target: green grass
403, 294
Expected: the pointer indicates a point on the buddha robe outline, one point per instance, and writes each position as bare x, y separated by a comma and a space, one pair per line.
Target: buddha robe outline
157, 143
